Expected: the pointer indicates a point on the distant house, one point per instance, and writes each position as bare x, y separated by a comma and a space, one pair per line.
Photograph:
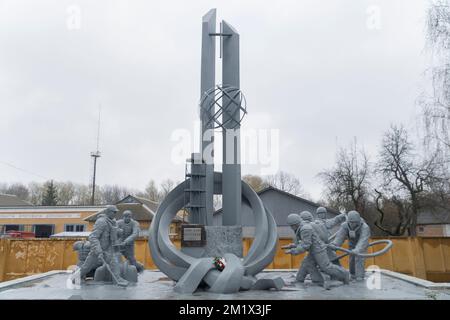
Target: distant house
280, 204
71, 221
10, 200
144, 210
433, 223
44, 221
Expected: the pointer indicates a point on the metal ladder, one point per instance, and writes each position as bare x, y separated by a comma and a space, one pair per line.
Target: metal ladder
194, 195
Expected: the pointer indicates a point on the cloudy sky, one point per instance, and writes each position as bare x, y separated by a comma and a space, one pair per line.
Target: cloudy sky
319, 72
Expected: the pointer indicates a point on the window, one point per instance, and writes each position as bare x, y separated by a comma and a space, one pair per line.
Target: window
13, 227
74, 227
43, 230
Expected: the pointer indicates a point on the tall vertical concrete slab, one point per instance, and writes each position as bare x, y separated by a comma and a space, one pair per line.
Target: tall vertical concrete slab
208, 75
231, 167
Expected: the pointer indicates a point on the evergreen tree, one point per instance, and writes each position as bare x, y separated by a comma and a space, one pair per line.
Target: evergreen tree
50, 194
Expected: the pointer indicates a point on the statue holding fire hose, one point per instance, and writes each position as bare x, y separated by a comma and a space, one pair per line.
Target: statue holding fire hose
321, 261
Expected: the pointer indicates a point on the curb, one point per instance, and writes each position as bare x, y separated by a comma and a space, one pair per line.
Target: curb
35, 277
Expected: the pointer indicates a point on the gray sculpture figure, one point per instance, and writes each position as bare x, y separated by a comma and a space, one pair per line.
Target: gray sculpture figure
311, 239
129, 232
102, 251
357, 232
82, 248
329, 224
308, 265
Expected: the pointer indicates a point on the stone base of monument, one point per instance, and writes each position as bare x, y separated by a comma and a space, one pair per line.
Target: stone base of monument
223, 239
383, 285
219, 241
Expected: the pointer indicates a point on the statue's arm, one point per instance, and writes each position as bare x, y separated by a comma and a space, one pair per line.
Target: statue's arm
341, 235
94, 237
339, 219
134, 234
306, 242
363, 239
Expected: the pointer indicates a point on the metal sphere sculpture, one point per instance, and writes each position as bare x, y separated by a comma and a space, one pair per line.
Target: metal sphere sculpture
213, 100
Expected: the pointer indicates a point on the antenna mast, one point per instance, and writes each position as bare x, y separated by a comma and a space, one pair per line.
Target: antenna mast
94, 155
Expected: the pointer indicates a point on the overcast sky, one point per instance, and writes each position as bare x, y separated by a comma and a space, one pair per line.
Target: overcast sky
320, 72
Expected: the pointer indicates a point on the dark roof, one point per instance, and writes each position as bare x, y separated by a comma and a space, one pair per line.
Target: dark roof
433, 217
152, 205
269, 188
9, 200
143, 209
140, 213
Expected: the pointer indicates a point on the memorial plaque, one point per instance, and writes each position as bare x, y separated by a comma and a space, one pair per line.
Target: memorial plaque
193, 235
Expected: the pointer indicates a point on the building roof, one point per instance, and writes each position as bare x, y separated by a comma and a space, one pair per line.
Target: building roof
270, 188
10, 200
67, 234
435, 216
50, 209
152, 205
143, 209
140, 213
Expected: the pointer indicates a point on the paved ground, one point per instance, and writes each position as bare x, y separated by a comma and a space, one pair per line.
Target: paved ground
155, 285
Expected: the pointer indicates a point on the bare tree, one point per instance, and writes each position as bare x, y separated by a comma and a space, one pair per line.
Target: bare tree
404, 173
436, 100
113, 193
286, 182
256, 182
35, 192
152, 192
83, 195
166, 186
347, 183
394, 214
66, 193
17, 189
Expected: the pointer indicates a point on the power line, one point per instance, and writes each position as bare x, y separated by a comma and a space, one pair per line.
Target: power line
23, 170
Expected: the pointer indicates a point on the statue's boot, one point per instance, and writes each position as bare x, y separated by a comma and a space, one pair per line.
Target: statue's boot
326, 281
121, 282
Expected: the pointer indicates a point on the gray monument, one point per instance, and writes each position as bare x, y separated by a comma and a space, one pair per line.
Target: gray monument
100, 255
357, 232
312, 238
128, 233
211, 256
322, 262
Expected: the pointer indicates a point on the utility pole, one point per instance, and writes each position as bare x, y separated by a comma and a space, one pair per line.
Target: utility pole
95, 155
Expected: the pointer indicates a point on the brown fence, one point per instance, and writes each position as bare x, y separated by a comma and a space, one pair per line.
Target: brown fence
426, 258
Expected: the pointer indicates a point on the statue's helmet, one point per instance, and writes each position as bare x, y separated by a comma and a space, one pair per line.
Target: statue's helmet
111, 208
321, 212
127, 213
293, 219
353, 216
306, 216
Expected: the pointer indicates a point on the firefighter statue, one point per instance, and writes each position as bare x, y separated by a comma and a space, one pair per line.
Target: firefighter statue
129, 231
310, 238
357, 232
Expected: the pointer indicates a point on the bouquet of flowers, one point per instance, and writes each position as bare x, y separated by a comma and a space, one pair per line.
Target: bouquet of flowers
219, 263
